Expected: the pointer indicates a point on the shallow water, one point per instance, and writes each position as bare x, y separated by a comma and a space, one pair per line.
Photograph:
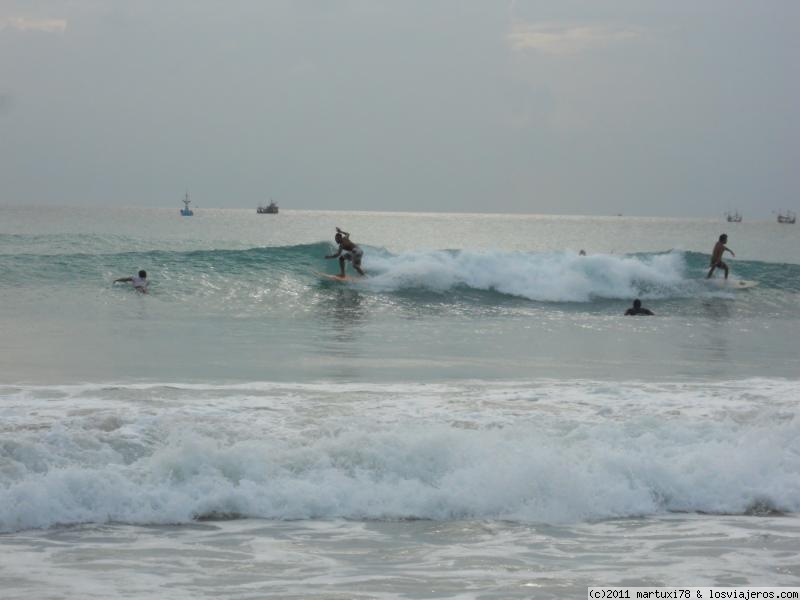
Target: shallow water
248, 559
476, 419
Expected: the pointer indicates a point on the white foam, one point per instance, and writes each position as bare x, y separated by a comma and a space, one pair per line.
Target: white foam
552, 277
531, 451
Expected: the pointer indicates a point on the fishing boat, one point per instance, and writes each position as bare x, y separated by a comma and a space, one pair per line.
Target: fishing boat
733, 217
269, 209
186, 211
787, 216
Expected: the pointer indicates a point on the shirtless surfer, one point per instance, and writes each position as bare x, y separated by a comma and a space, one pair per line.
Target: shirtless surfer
716, 256
139, 281
347, 251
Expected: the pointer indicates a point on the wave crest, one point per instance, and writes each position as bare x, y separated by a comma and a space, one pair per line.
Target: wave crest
549, 277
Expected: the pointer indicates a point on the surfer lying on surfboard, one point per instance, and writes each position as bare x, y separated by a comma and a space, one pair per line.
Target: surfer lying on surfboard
347, 251
139, 281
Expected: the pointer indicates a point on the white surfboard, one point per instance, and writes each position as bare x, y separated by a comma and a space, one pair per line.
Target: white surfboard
732, 284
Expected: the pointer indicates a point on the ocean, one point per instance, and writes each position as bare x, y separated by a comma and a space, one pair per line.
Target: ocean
475, 419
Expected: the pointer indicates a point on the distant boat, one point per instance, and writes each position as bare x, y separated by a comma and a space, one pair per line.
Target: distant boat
733, 217
787, 216
270, 209
186, 211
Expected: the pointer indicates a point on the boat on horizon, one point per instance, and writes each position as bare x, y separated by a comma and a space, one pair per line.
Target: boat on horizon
733, 217
186, 211
787, 216
269, 209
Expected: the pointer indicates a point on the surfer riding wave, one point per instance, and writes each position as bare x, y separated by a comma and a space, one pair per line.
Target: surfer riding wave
347, 251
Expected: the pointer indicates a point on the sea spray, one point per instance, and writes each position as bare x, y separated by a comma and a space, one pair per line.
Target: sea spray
532, 452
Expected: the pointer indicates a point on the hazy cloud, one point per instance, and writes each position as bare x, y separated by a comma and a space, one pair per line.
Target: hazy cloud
28, 24
633, 106
6, 100
553, 39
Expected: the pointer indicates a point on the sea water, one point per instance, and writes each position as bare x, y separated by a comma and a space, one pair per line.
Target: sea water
474, 419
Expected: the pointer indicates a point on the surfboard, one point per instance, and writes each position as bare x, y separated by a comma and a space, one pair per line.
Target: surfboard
732, 284
339, 278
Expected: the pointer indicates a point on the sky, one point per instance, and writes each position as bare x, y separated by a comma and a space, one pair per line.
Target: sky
603, 107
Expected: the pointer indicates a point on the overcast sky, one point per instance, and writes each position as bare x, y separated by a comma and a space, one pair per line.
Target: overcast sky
675, 108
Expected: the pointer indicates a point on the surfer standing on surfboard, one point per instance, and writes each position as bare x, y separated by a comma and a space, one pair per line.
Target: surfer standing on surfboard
347, 251
716, 256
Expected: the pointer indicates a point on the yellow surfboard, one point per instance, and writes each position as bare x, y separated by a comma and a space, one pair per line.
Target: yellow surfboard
339, 278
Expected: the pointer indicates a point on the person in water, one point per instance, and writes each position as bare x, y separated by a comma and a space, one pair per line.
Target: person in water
347, 251
716, 256
638, 309
139, 281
